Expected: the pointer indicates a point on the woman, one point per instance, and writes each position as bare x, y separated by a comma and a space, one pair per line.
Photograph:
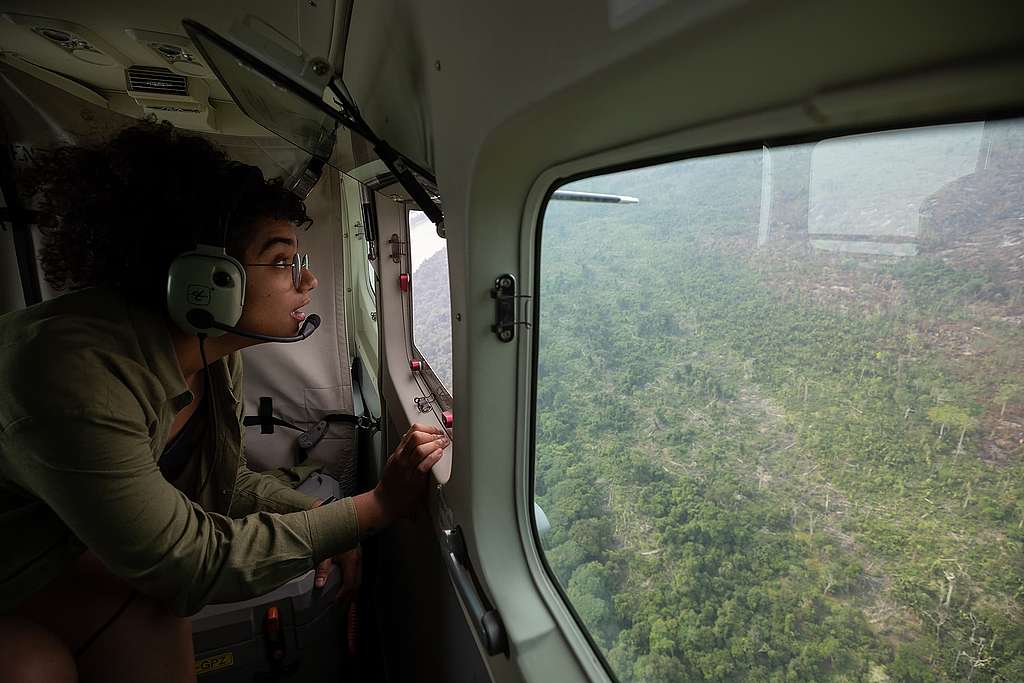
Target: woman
125, 500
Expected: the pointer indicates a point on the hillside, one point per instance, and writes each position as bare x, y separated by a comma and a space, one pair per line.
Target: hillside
432, 315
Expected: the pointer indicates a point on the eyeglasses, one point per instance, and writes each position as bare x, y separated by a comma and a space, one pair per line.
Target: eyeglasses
299, 261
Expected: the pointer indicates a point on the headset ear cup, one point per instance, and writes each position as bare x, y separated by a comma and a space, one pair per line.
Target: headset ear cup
236, 271
206, 280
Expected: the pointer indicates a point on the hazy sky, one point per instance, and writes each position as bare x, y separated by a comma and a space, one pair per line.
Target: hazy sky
425, 242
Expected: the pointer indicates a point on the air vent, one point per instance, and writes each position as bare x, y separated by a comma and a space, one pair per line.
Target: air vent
171, 97
156, 80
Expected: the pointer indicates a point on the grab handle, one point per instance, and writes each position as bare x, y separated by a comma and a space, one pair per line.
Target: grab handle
486, 619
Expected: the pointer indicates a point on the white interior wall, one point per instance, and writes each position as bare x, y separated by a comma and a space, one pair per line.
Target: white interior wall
532, 92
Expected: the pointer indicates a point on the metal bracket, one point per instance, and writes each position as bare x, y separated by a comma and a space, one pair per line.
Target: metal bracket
396, 248
368, 423
505, 303
369, 221
423, 402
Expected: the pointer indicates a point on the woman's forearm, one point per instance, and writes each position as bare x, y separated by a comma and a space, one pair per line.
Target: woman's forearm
371, 514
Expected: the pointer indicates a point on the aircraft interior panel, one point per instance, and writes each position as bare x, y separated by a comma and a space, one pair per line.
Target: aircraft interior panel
718, 303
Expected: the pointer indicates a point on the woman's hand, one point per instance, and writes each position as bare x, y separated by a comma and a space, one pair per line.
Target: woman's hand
350, 563
403, 484
402, 487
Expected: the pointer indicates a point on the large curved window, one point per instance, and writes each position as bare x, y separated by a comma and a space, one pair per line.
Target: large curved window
780, 411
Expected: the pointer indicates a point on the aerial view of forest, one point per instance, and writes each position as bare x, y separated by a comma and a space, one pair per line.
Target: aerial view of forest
780, 411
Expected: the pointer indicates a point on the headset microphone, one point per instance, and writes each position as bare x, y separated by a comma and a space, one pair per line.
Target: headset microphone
204, 320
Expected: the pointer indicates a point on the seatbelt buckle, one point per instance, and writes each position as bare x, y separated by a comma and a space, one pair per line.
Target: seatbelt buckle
311, 437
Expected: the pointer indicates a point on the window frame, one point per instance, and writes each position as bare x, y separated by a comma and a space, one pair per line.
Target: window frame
700, 142
434, 386
364, 305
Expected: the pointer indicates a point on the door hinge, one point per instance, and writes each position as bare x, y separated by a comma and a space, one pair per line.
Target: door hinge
506, 305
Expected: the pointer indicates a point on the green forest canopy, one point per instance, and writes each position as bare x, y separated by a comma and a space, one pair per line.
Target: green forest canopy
767, 460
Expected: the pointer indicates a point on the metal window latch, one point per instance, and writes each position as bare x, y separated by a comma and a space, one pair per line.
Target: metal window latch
505, 307
423, 403
397, 251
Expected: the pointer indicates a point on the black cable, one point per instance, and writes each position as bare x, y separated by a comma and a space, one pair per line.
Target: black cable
212, 426
80, 650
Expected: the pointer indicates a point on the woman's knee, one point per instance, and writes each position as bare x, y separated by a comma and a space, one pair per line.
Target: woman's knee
31, 653
150, 616
115, 632
148, 642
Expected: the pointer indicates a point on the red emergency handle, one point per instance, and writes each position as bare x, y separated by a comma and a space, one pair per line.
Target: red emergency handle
274, 637
449, 419
272, 621
403, 281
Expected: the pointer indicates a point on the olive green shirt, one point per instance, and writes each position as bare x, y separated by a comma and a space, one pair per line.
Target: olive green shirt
91, 385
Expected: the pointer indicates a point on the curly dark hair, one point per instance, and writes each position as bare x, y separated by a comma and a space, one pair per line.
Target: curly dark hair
117, 213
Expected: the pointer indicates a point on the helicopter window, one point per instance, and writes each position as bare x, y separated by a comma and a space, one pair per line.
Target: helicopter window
431, 297
780, 410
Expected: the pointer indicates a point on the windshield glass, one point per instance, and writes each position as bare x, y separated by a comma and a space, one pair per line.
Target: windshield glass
292, 112
278, 106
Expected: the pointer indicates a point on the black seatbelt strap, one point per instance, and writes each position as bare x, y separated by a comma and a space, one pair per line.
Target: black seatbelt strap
309, 437
265, 418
